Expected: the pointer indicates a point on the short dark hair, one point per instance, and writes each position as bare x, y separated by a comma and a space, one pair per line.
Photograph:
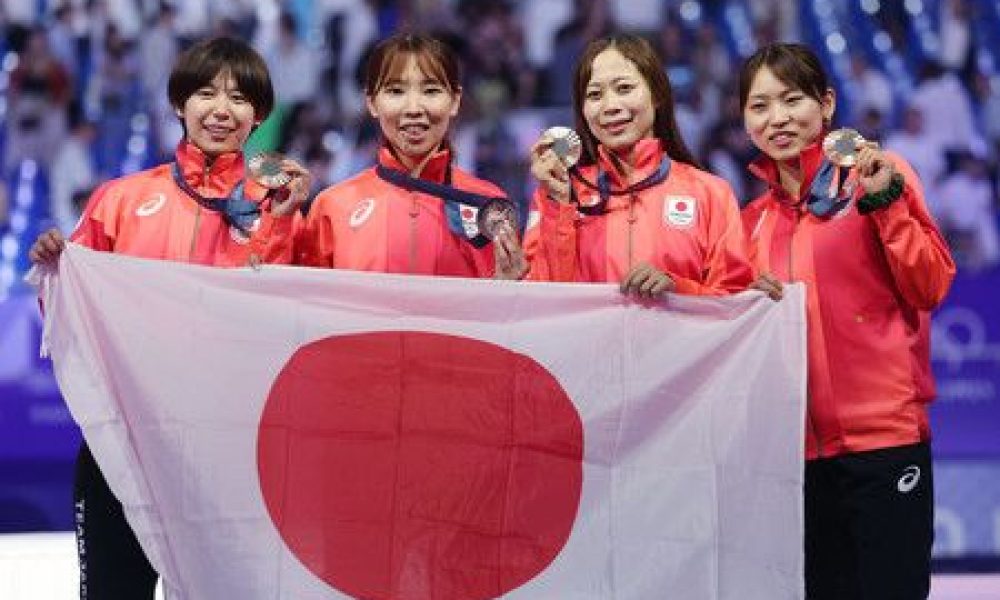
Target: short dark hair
795, 65
200, 64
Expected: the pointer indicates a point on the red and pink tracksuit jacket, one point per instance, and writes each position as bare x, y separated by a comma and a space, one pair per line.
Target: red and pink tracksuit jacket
687, 226
148, 216
871, 281
368, 224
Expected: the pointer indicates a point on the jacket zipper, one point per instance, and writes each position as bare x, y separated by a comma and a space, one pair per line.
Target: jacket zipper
791, 246
631, 224
791, 277
414, 213
194, 233
197, 216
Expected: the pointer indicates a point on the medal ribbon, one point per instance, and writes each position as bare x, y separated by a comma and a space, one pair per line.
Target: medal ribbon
828, 195
236, 210
603, 186
454, 199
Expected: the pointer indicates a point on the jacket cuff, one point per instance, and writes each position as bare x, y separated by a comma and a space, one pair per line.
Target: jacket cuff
873, 202
890, 214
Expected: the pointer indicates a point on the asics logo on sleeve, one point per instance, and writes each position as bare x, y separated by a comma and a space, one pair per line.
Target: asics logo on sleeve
909, 479
152, 206
362, 212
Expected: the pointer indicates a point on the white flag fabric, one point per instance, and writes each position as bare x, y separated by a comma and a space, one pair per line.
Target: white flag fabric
294, 433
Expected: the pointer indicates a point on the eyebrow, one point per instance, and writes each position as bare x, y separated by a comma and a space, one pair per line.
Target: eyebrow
786, 91
618, 79
400, 80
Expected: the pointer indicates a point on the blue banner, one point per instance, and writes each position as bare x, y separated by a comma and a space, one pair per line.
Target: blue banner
34, 421
965, 355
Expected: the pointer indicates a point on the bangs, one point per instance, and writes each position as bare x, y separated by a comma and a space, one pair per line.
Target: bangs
799, 75
436, 61
395, 63
794, 65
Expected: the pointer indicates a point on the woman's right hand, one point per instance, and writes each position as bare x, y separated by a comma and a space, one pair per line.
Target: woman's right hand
510, 262
296, 192
47, 248
549, 170
769, 285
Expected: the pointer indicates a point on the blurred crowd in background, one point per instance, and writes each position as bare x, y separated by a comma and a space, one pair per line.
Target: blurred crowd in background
83, 88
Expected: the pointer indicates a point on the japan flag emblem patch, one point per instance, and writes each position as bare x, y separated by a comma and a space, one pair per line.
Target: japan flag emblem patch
679, 211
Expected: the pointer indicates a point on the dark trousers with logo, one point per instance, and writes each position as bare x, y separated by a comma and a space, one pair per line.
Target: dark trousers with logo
112, 563
869, 525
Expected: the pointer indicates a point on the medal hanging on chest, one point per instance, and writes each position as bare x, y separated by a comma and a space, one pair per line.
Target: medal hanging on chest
492, 213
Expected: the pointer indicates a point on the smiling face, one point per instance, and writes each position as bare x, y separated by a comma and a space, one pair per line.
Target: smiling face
218, 117
414, 110
783, 120
617, 103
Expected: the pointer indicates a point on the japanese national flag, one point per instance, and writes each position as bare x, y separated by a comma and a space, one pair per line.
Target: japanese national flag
306, 434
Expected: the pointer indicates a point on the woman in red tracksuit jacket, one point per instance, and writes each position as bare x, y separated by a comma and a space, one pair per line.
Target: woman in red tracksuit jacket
405, 214
199, 209
637, 211
874, 264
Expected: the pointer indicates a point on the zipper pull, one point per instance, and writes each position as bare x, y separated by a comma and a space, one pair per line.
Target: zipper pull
632, 217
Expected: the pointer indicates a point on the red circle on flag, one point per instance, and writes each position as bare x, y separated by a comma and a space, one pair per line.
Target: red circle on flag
681, 206
467, 213
420, 465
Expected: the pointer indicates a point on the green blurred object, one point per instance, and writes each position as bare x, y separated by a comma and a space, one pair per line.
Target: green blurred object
268, 135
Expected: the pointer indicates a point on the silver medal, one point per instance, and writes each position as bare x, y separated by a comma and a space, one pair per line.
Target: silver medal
566, 144
265, 169
496, 216
841, 147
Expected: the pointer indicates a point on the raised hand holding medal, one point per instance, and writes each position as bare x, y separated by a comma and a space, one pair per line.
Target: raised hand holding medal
848, 148
290, 180
552, 156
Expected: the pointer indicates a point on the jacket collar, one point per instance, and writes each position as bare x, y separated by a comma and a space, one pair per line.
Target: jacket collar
648, 153
211, 180
766, 169
435, 170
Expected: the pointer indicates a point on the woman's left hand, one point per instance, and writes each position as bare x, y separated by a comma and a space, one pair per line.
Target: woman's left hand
511, 263
646, 281
293, 194
875, 170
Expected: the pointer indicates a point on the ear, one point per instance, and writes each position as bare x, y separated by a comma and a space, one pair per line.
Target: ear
370, 104
456, 102
828, 105
179, 113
